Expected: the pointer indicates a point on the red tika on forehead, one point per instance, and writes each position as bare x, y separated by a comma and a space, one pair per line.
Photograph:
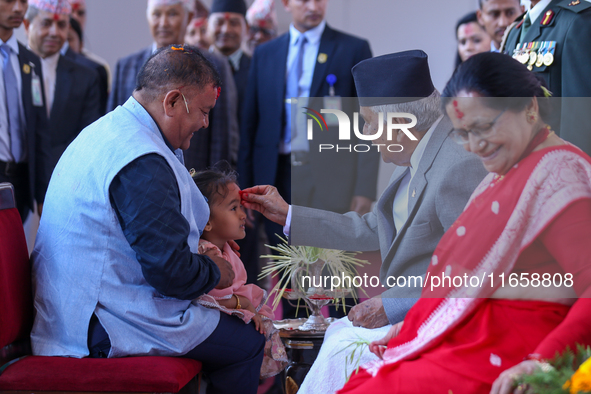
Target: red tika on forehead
199, 22
459, 113
227, 16
56, 17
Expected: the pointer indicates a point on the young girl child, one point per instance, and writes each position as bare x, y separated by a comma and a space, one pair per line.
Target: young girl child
227, 221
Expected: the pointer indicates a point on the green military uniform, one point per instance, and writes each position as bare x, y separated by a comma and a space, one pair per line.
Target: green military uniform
562, 33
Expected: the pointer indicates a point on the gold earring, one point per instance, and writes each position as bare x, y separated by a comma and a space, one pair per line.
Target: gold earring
532, 117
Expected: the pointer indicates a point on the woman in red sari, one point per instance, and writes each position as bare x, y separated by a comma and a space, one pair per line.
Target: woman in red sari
530, 220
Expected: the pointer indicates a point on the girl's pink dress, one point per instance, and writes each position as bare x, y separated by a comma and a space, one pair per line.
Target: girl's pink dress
275, 358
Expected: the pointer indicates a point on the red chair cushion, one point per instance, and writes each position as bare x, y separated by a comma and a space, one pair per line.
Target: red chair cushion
16, 302
130, 374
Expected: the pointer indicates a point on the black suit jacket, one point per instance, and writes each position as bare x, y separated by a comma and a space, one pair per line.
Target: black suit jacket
241, 81
38, 143
125, 76
336, 180
568, 76
76, 104
102, 75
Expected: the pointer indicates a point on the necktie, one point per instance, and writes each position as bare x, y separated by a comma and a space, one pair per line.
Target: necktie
12, 104
525, 27
293, 85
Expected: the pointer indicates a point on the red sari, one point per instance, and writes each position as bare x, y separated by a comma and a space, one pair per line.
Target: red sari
535, 219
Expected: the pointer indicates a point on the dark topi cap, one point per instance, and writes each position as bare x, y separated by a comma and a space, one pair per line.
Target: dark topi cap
237, 6
392, 79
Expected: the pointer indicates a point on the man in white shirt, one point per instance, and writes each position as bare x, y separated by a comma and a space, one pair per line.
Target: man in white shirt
24, 147
71, 89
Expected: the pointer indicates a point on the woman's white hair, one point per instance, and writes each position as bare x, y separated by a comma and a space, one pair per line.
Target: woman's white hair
427, 110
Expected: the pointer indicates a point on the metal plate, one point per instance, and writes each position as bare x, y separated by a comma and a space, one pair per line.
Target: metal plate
288, 328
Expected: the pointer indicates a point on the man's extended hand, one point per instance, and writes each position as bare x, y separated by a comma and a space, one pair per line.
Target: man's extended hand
369, 314
226, 272
267, 201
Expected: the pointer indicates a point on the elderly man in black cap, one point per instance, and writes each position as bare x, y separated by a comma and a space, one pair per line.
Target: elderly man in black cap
226, 29
427, 192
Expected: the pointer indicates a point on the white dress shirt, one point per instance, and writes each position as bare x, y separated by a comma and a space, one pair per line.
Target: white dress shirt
235, 59
5, 151
49, 67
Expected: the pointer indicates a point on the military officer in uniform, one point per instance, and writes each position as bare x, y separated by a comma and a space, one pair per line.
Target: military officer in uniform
553, 38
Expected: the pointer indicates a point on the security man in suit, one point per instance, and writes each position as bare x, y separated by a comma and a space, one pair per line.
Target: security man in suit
296, 65
553, 38
24, 138
71, 90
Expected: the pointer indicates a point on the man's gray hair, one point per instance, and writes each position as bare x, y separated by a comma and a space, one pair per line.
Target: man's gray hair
427, 110
188, 5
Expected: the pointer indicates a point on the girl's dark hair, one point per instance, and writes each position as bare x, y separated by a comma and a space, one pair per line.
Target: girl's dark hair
508, 83
468, 18
213, 182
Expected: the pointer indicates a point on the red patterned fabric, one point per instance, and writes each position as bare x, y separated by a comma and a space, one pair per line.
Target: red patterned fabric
16, 304
516, 208
131, 374
535, 219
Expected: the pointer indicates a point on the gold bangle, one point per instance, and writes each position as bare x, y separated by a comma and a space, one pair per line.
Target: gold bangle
238, 306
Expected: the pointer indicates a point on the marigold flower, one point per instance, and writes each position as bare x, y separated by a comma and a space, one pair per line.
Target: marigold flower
581, 379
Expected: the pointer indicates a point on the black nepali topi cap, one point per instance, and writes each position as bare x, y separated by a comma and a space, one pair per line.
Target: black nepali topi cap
237, 6
392, 79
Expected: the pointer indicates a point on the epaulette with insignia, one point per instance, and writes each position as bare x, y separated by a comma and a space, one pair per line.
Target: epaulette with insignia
575, 6
547, 18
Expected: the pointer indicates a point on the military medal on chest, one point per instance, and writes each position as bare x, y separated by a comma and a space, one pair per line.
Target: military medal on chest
549, 55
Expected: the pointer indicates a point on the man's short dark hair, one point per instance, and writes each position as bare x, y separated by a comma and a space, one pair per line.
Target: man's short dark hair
173, 67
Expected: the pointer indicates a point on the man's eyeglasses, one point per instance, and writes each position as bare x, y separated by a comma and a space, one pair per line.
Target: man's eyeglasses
186, 105
481, 131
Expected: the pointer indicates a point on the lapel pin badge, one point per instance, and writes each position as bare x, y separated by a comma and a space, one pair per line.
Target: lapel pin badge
26, 69
414, 192
322, 58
